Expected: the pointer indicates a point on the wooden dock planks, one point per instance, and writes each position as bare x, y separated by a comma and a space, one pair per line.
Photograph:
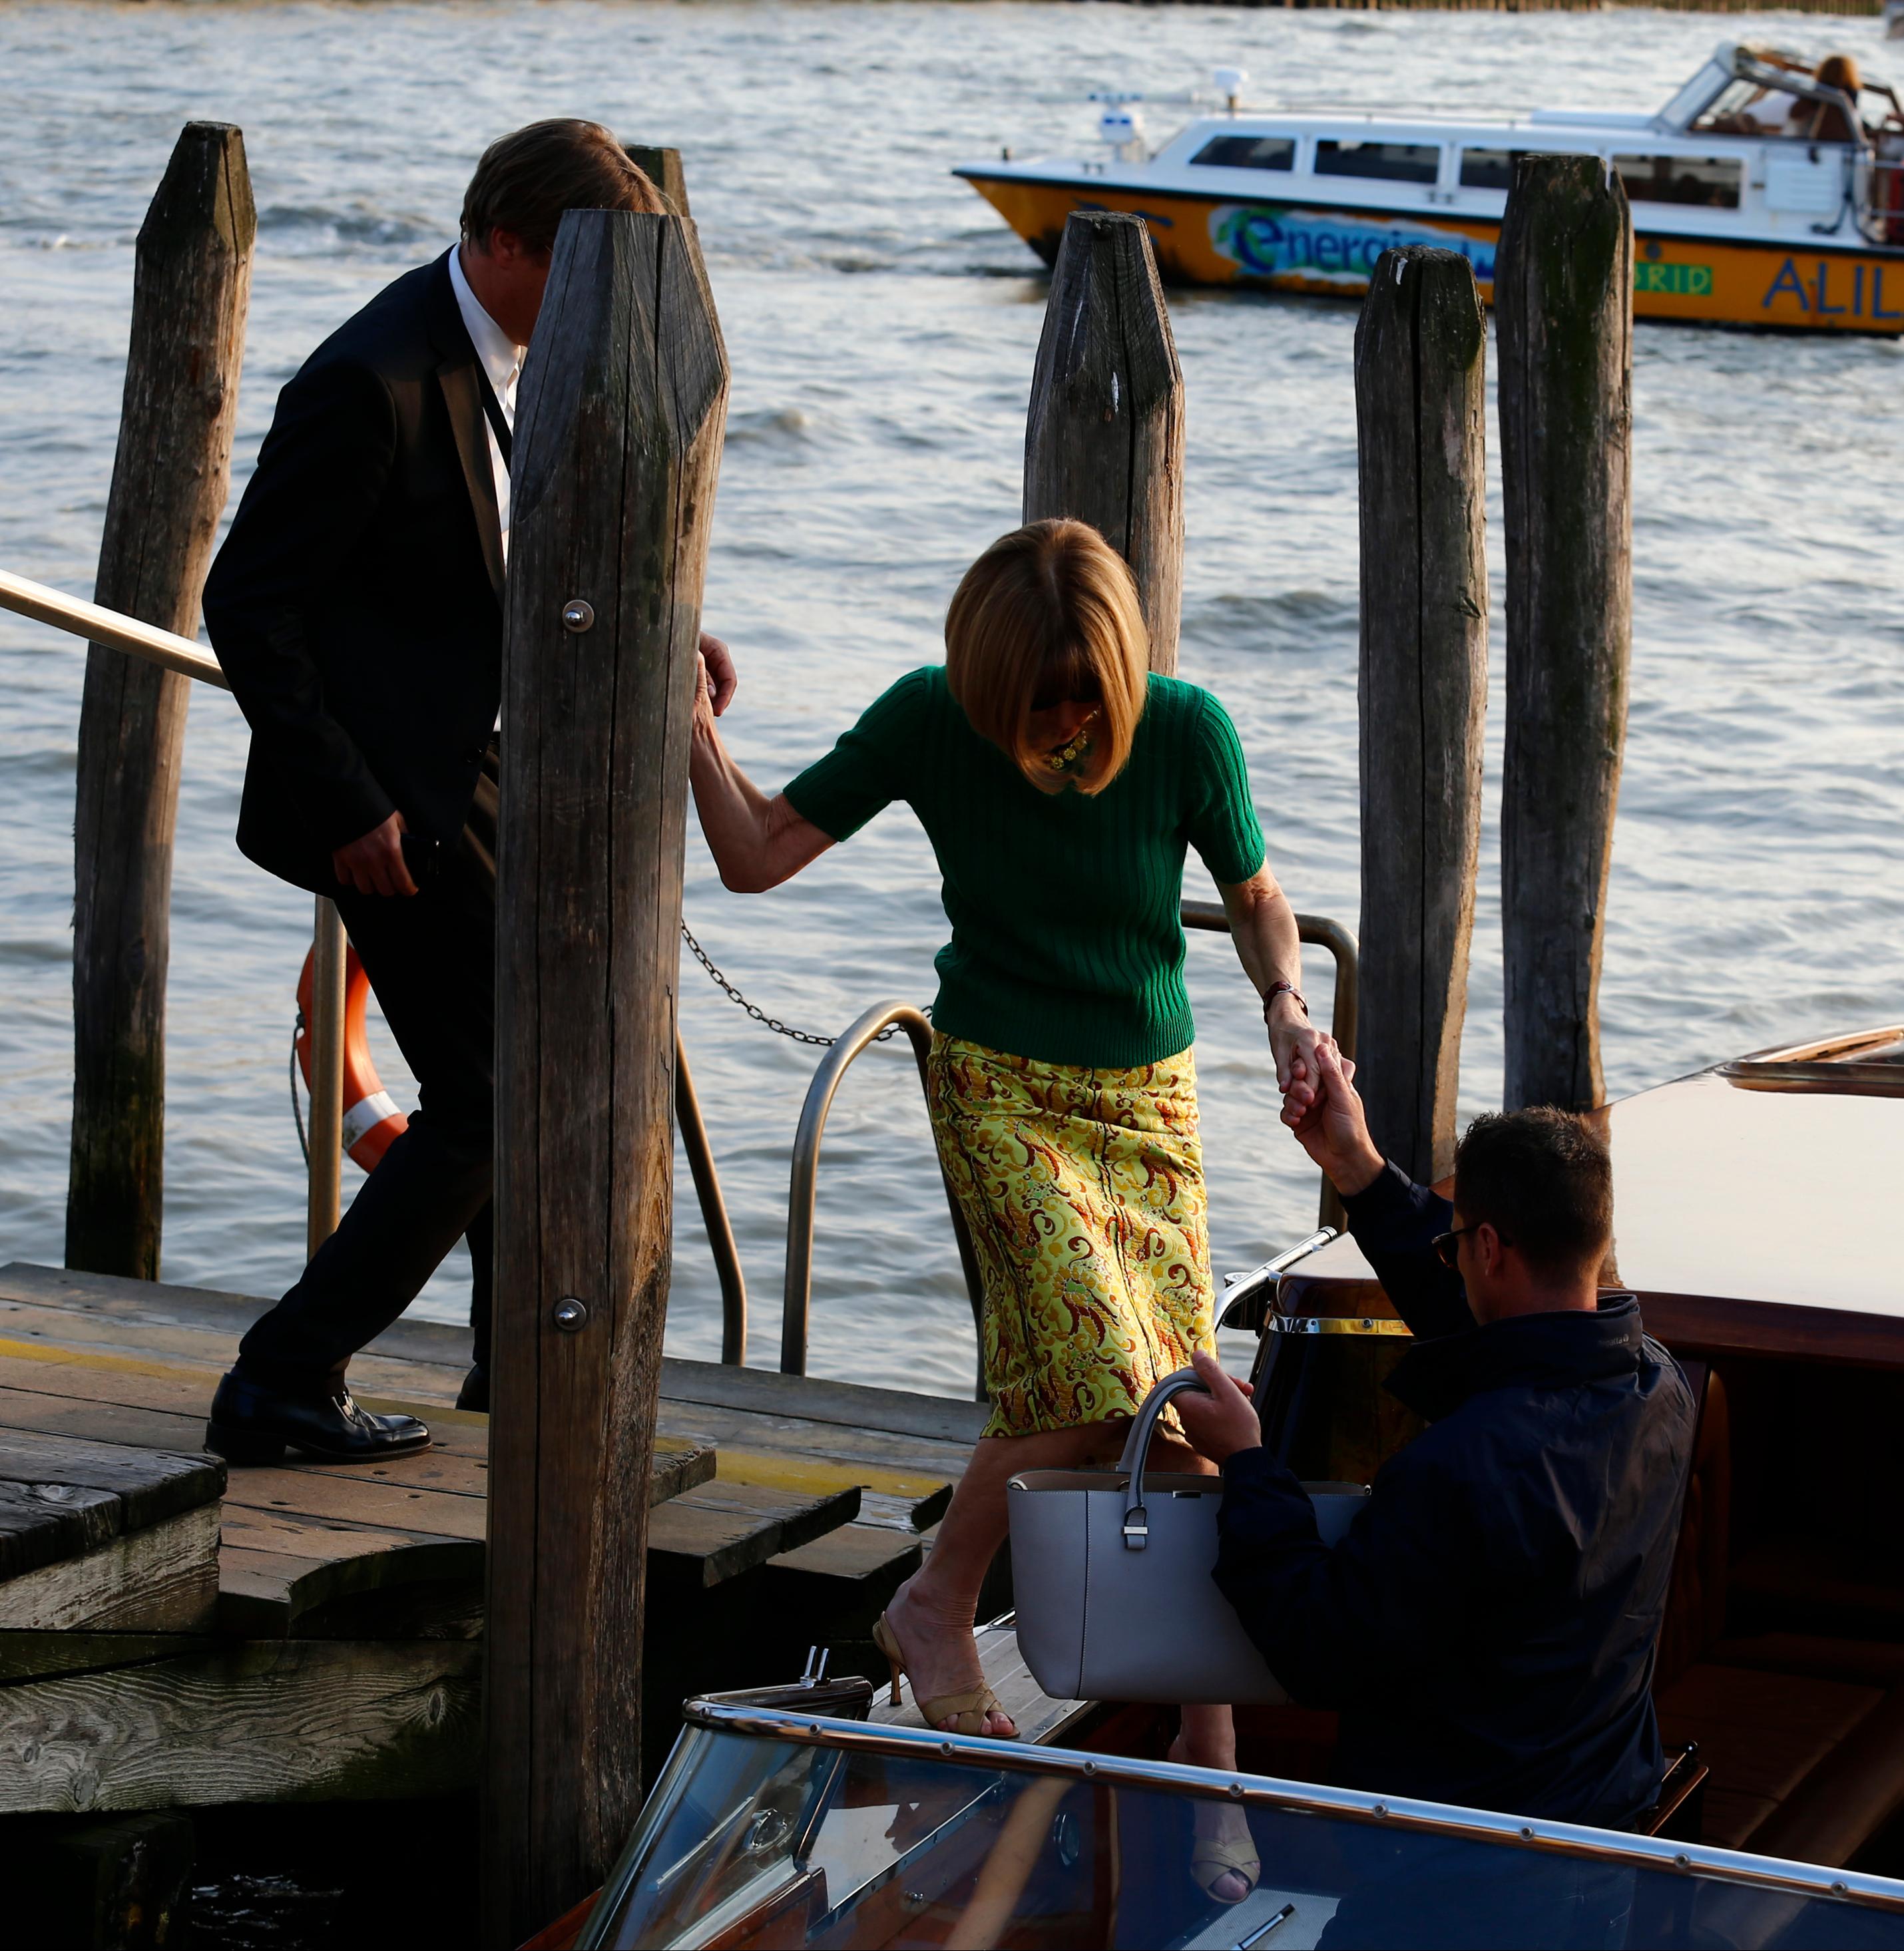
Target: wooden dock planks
791, 1505
133, 1361
97, 1535
162, 1722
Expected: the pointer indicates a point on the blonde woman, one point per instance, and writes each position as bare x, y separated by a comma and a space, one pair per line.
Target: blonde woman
1060, 784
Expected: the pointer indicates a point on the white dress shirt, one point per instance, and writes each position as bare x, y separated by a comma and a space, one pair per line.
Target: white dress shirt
502, 360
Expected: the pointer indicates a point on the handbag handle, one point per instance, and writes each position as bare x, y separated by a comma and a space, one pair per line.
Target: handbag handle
1137, 1451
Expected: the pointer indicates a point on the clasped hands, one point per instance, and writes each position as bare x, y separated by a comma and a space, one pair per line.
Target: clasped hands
1321, 1108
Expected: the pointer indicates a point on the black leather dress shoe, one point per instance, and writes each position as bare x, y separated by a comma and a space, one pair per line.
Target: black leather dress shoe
475, 1391
253, 1425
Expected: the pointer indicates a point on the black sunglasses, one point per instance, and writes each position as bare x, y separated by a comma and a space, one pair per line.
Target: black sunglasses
1446, 1250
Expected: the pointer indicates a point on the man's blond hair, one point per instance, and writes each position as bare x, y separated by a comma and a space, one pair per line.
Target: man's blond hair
1050, 613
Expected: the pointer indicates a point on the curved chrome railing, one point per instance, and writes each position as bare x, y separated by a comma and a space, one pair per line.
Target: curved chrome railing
1606, 1845
797, 1297
117, 632
1318, 931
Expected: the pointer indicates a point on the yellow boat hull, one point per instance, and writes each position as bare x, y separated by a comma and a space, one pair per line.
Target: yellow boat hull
1206, 240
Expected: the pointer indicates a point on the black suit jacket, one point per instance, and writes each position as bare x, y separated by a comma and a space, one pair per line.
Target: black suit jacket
357, 604
1488, 1627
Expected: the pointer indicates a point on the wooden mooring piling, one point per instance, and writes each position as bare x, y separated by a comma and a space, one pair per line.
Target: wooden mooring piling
770, 1510
1421, 348
191, 288
627, 383
1563, 298
1104, 432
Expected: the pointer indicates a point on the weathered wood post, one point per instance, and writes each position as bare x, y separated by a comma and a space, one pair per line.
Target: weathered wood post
1104, 434
618, 445
1563, 297
191, 284
1420, 360
663, 168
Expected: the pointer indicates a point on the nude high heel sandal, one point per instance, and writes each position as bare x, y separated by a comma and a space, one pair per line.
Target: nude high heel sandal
1213, 1857
968, 1711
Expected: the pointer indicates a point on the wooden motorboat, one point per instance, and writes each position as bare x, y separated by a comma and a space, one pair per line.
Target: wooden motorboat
1769, 192
1754, 1205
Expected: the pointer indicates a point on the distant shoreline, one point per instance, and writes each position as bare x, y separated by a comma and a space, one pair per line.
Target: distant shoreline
1863, 9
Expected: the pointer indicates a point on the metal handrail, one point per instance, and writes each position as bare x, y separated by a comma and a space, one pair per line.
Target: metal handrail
45, 604
323, 1193
1320, 932
803, 1728
714, 1211
797, 1300
117, 632
797, 1297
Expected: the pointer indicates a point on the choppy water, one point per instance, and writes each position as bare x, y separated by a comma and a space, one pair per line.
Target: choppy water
882, 325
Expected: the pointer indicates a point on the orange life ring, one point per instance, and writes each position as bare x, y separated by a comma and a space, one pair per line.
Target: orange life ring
371, 1119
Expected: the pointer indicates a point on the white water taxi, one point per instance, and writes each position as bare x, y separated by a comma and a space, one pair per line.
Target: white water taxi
1768, 192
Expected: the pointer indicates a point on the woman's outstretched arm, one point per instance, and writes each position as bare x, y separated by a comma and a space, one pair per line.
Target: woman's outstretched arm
757, 842
1262, 925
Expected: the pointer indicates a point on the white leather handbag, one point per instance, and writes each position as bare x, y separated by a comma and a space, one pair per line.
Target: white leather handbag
1111, 1577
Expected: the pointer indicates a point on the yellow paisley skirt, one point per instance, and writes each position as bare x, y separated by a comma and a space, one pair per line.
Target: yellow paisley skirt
1084, 1192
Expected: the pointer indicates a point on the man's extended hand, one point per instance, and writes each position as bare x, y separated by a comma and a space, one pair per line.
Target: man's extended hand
1222, 1422
374, 864
1334, 1130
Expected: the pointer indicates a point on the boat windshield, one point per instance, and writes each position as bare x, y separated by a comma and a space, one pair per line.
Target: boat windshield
1761, 92
771, 1829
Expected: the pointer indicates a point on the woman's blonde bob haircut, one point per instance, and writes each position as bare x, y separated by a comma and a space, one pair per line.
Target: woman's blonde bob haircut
1050, 613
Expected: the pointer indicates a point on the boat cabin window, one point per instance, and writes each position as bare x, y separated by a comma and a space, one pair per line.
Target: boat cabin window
1489, 169
1393, 162
1710, 181
1247, 152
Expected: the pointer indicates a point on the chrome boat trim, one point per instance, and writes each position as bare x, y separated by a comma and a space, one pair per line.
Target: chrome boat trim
1248, 1297
1648, 1853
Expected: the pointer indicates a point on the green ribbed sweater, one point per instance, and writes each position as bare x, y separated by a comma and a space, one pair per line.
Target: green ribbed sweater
1067, 944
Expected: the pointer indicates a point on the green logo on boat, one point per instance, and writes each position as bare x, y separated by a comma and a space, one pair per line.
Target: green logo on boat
1687, 281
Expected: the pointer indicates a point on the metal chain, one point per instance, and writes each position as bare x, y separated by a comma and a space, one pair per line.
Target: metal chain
700, 955
759, 1014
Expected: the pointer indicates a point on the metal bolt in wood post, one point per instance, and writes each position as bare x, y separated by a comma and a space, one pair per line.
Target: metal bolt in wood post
191, 285
1420, 358
1563, 299
326, 1028
618, 446
1104, 433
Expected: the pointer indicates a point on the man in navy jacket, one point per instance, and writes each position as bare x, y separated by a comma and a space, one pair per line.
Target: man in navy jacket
1487, 1628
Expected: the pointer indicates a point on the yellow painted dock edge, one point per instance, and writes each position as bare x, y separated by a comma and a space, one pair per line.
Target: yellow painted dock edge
788, 1470
1201, 240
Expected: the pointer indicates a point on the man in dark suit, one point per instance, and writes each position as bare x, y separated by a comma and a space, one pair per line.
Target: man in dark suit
356, 607
1487, 1628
